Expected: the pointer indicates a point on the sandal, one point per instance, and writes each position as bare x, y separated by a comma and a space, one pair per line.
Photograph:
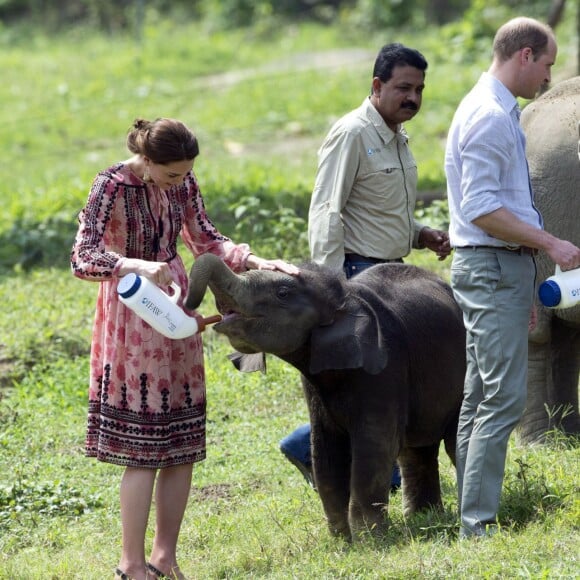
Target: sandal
175, 573
158, 573
120, 575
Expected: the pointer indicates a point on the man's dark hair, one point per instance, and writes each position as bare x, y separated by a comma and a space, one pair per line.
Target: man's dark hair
396, 54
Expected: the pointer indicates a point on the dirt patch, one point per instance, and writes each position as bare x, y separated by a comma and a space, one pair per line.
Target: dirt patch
220, 491
212, 492
325, 60
296, 146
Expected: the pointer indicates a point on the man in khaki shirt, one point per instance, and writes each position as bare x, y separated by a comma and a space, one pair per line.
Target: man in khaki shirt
362, 206
366, 185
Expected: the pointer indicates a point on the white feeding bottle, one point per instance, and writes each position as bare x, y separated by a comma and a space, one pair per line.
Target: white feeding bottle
562, 290
159, 309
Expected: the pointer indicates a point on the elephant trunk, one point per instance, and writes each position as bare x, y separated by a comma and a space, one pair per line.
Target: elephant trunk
209, 270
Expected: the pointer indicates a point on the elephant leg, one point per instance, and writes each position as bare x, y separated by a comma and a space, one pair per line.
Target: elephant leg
450, 440
535, 421
562, 397
373, 457
331, 465
420, 474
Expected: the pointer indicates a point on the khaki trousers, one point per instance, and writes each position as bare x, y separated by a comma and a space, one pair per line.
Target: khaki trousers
494, 289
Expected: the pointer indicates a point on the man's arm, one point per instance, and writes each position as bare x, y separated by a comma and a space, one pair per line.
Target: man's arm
504, 225
337, 168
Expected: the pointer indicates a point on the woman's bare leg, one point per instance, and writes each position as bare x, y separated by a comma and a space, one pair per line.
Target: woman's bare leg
171, 495
136, 493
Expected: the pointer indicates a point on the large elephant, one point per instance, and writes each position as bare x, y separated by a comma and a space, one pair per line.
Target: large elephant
551, 127
382, 358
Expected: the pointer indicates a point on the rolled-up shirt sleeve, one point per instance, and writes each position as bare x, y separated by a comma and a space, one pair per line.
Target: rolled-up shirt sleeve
486, 153
417, 227
337, 169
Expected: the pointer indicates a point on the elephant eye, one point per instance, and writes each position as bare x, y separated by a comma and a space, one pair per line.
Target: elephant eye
282, 292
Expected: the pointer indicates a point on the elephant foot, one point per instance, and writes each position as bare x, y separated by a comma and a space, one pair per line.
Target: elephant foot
533, 426
421, 498
545, 437
410, 508
369, 519
342, 532
375, 531
570, 423
531, 437
534, 430
357, 531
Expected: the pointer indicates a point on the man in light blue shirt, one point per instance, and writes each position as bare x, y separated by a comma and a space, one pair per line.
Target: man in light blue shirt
496, 231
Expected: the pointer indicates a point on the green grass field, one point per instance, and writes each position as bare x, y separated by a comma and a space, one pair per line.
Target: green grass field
261, 107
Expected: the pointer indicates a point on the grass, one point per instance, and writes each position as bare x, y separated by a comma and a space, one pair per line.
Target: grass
254, 102
261, 108
250, 512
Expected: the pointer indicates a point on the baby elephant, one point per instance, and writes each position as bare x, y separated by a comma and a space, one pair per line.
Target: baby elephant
382, 358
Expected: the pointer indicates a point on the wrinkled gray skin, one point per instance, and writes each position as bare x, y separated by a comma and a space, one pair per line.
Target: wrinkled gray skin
382, 358
551, 127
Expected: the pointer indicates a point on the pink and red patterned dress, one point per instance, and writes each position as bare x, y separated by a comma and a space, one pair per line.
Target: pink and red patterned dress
147, 396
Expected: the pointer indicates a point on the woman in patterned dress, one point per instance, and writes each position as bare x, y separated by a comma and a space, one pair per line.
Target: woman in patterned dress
147, 392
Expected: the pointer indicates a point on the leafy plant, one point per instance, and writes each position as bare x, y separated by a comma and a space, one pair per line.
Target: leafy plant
434, 214
27, 499
29, 243
277, 231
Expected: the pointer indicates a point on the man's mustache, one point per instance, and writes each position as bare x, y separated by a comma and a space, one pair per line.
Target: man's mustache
410, 105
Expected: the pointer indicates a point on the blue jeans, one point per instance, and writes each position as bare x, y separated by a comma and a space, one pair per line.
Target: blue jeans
297, 444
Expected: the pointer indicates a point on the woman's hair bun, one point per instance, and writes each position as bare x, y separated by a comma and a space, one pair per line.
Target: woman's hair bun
141, 124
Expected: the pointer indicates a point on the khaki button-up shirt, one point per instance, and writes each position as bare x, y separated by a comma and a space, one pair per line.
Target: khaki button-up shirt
365, 192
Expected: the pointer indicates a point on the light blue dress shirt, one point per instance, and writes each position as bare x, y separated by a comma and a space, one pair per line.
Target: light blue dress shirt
485, 163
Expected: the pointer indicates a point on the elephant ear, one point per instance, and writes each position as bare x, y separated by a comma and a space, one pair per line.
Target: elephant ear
248, 363
353, 340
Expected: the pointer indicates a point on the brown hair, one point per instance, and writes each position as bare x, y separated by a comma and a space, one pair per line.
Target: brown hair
521, 33
163, 140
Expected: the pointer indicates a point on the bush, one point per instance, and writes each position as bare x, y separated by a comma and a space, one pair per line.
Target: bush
30, 243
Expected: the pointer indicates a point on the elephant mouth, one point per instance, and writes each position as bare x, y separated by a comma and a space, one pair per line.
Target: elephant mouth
228, 308
234, 325
234, 316
230, 317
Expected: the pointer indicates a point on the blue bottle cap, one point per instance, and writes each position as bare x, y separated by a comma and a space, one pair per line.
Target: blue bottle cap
550, 293
128, 285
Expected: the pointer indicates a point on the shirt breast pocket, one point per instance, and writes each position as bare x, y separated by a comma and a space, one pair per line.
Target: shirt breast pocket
376, 165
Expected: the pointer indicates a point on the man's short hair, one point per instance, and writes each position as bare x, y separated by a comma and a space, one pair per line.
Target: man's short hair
521, 33
396, 54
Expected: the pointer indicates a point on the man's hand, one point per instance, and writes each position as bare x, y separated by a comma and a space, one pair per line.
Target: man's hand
564, 253
436, 240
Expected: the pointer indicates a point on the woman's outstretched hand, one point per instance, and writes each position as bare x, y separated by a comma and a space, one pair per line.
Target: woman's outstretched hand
256, 263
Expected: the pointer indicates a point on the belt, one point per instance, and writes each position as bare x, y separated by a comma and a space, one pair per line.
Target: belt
521, 250
358, 258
